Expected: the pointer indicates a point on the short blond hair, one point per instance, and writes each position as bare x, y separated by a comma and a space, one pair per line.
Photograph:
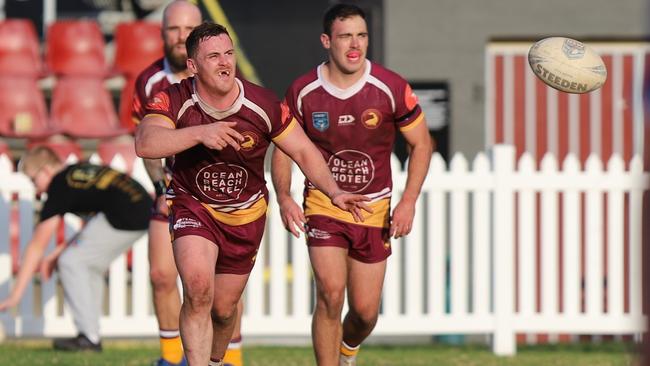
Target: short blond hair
38, 157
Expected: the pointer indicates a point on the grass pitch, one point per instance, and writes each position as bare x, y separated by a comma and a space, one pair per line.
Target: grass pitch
143, 353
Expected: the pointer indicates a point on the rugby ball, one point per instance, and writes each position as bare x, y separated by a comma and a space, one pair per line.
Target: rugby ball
567, 65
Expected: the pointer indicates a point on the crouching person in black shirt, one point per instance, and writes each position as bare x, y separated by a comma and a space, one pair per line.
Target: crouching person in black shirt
118, 208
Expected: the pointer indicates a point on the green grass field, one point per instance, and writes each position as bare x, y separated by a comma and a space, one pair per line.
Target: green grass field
143, 353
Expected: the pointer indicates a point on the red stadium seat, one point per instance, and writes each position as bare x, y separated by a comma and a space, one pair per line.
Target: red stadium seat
123, 145
22, 109
76, 47
20, 53
137, 45
82, 107
126, 105
4, 148
62, 146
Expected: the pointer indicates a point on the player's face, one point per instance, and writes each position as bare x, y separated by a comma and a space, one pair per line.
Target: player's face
348, 44
214, 65
176, 27
41, 178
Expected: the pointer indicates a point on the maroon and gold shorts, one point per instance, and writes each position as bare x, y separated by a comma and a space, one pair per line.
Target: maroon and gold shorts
238, 245
364, 243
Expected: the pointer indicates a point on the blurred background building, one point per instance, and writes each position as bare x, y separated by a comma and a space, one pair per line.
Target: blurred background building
438, 45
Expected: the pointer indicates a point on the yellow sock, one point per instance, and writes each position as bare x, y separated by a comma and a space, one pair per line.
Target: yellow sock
233, 354
172, 349
348, 351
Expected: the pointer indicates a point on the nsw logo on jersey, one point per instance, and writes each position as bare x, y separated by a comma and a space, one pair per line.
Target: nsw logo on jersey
321, 120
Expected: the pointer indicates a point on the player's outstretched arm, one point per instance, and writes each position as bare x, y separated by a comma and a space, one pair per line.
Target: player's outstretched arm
421, 148
292, 216
156, 137
31, 259
298, 146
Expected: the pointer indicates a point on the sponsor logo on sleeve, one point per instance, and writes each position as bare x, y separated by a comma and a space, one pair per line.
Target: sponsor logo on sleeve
285, 116
320, 120
410, 99
160, 102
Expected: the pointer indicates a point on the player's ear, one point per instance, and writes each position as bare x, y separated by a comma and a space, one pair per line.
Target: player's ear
325, 40
191, 65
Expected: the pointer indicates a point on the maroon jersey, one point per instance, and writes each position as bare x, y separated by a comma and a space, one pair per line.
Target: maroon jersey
229, 183
155, 78
152, 80
354, 129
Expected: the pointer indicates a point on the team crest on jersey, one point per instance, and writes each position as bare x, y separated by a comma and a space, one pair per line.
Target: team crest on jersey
321, 120
371, 118
250, 140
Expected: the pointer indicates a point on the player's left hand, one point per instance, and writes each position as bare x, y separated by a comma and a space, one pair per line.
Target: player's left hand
353, 203
402, 219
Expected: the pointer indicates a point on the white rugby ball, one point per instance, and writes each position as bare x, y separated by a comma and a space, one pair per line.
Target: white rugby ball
567, 65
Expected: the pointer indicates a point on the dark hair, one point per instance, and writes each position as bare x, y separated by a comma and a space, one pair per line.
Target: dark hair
340, 11
201, 32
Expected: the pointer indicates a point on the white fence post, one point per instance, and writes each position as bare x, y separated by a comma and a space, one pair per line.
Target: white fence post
6, 321
503, 342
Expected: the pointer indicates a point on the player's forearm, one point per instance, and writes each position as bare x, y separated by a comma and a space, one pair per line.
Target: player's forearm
28, 266
418, 166
281, 173
154, 168
156, 142
313, 165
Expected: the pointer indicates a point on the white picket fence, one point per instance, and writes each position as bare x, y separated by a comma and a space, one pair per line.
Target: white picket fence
468, 267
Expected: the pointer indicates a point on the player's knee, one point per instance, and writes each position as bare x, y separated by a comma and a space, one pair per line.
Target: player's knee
332, 298
197, 291
162, 280
224, 313
364, 318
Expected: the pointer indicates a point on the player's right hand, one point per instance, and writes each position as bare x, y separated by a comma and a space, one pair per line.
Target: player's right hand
48, 264
219, 135
292, 216
353, 203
